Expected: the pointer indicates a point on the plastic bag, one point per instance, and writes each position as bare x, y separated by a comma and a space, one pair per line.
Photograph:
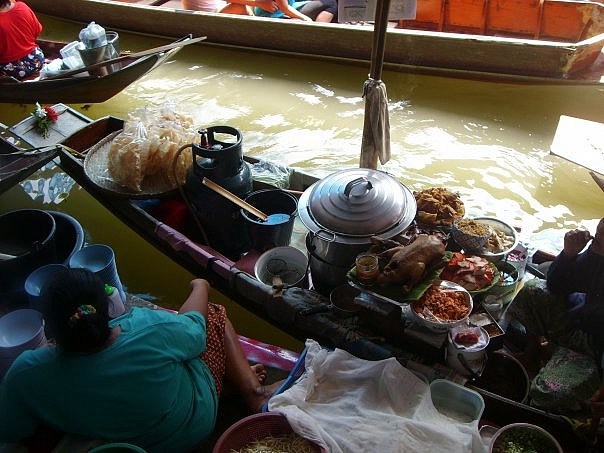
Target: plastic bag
271, 173
128, 157
148, 146
93, 36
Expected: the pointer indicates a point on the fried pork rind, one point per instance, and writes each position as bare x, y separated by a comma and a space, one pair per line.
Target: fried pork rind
148, 146
438, 206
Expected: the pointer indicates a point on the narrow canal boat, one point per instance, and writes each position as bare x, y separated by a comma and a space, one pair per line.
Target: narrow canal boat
93, 83
548, 41
379, 330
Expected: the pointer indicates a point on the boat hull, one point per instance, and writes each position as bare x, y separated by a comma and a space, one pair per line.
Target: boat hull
518, 57
82, 88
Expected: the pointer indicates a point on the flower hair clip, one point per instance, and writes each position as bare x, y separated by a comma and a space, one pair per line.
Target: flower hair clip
81, 311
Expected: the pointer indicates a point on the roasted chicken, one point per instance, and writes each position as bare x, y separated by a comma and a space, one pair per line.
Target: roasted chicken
409, 264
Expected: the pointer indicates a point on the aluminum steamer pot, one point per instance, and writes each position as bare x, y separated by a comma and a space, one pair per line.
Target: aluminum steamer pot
342, 211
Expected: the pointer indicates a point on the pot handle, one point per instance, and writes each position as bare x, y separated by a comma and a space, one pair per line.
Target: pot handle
331, 237
355, 182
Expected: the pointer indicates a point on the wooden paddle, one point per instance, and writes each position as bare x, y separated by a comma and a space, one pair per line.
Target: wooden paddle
142, 53
598, 179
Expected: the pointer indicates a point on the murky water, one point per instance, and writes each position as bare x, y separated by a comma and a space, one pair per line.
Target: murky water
488, 141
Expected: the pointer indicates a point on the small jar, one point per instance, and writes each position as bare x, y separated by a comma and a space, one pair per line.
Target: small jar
367, 268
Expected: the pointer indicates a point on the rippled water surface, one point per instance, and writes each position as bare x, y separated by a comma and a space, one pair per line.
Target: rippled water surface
488, 141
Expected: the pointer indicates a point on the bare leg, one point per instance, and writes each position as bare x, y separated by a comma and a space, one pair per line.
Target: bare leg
241, 376
324, 16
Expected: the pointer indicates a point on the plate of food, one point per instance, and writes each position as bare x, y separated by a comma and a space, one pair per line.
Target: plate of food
443, 306
502, 240
406, 272
474, 273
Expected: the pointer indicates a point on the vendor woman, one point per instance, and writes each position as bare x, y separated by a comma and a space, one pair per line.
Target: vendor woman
20, 56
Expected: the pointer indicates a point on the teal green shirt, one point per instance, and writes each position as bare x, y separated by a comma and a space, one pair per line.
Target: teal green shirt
148, 388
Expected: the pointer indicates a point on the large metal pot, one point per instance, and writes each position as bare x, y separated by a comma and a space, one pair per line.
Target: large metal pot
342, 211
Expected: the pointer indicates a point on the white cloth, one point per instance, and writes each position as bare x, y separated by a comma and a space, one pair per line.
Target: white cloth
347, 404
376, 128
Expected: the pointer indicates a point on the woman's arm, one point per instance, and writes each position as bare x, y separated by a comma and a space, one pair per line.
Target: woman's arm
291, 12
198, 298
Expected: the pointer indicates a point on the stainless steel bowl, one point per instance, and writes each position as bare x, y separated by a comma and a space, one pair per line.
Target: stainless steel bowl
434, 323
497, 225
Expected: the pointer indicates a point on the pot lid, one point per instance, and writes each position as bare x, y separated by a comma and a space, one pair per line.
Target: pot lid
357, 202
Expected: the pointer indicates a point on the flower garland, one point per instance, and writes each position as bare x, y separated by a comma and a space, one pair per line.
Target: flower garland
45, 117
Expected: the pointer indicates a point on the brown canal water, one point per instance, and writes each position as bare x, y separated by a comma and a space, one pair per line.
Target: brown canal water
488, 141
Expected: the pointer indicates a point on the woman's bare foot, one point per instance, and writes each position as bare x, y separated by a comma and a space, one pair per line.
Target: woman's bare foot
260, 372
261, 395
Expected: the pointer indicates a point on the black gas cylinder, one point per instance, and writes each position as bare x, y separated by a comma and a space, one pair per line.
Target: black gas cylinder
221, 162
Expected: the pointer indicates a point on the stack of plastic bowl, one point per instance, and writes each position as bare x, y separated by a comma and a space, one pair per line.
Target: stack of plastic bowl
20, 330
100, 259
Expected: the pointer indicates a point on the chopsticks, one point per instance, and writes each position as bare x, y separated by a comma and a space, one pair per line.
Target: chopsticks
234, 198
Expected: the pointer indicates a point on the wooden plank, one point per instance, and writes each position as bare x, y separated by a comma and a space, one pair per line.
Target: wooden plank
580, 141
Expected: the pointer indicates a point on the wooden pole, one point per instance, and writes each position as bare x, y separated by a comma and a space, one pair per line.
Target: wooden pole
379, 39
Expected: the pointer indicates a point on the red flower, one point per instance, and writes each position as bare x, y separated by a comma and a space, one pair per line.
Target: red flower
44, 117
52, 114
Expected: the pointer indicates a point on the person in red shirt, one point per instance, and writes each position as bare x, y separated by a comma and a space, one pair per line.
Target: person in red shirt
20, 56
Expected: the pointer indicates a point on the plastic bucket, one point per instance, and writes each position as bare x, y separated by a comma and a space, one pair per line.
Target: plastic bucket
281, 209
100, 259
69, 236
20, 330
38, 279
102, 53
28, 235
293, 272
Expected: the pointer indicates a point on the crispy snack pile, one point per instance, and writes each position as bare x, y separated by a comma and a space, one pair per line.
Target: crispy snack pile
438, 206
148, 146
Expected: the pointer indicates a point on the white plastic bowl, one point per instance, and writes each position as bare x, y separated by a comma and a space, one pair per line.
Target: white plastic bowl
294, 260
20, 327
40, 277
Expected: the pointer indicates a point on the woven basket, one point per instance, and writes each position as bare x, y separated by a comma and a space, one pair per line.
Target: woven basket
469, 241
252, 428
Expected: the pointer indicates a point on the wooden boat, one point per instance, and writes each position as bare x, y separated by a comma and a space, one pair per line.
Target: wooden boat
89, 85
15, 165
18, 160
286, 310
546, 41
375, 335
